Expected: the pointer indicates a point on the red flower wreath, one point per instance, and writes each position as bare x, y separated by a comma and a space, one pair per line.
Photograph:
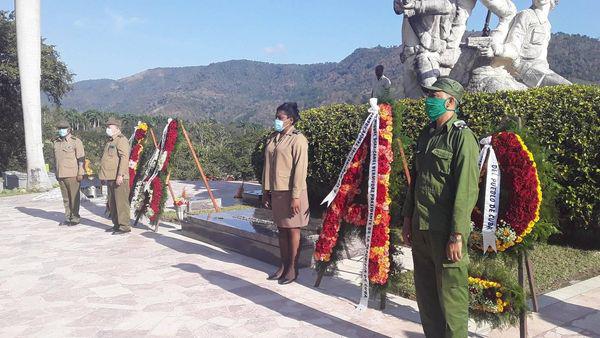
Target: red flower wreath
521, 193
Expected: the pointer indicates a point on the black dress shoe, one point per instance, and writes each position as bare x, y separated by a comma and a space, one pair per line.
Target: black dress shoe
120, 232
275, 276
285, 281
111, 229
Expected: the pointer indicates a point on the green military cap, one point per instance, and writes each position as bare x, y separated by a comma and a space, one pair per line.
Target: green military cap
63, 124
113, 121
448, 86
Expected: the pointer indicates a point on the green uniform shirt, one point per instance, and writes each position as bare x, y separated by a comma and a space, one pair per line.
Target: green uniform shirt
445, 180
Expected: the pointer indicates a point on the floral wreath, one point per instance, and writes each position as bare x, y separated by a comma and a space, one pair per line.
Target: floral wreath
487, 296
138, 140
151, 192
520, 191
342, 208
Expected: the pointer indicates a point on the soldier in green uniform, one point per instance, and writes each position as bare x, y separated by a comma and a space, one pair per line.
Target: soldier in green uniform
114, 171
437, 212
69, 157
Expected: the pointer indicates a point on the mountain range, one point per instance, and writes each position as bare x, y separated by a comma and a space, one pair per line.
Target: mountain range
243, 90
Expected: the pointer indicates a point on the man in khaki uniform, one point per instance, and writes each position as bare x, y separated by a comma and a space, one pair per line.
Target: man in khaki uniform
69, 156
114, 171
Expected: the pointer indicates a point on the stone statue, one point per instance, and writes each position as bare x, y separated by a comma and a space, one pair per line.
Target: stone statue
432, 31
527, 46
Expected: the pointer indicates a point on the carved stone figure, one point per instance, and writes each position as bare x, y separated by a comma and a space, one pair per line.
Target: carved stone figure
432, 31
527, 46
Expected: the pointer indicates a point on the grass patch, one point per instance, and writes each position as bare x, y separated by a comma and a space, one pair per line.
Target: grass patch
14, 192
171, 215
554, 266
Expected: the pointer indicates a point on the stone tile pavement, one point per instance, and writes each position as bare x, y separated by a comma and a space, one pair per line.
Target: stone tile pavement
83, 282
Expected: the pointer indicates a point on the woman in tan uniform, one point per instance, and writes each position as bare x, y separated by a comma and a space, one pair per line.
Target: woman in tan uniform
284, 187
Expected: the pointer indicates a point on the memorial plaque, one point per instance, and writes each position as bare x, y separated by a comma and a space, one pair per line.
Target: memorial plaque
250, 232
252, 197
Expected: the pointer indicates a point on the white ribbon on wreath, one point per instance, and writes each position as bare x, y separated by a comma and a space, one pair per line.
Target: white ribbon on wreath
371, 124
492, 194
152, 170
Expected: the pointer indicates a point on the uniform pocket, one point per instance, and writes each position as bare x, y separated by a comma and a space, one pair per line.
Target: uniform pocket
442, 159
455, 274
538, 35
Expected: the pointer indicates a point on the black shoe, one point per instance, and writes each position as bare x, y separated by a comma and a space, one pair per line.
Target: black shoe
111, 229
275, 276
120, 232
285, 281
64, 223
72, 223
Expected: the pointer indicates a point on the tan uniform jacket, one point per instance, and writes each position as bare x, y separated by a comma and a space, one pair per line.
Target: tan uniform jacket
66, 153
115, 158
286, 163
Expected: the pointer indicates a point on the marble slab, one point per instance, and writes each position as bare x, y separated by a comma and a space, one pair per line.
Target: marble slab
250, 232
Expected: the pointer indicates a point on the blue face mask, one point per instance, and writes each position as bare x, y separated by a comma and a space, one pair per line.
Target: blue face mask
63, 132
278, 125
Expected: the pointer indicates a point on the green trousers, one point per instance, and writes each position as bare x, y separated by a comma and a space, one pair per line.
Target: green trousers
441, 286
118, 201
69, 189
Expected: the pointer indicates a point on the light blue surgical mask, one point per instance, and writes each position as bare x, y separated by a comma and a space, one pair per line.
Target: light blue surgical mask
62, 132
278, 125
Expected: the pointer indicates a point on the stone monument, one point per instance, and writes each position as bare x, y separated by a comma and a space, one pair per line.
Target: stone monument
511, 56
525, 48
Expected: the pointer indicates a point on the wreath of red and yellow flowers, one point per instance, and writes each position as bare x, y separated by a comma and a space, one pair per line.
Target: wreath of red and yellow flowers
139, 140
342, 208
487, 296
521, 193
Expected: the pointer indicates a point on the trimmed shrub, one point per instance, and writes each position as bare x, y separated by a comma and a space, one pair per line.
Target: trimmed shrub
565, 120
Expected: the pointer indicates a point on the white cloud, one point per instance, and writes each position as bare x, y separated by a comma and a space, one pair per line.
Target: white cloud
119, 22
80, 23
277, 49
110, 20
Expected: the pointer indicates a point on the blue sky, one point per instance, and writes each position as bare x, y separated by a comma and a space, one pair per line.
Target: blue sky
114, 39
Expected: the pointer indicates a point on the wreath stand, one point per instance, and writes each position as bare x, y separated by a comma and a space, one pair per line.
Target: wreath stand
321, 273
168, 179
525, 266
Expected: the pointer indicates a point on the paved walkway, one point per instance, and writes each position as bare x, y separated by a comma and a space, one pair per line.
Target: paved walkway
81, 281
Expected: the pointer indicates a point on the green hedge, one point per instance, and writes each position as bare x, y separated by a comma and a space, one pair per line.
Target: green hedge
564, 119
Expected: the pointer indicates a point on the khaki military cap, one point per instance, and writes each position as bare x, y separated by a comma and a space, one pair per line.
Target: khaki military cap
113, 121
63, 124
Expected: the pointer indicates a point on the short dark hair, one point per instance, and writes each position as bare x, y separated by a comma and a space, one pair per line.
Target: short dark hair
379, 67
290, 109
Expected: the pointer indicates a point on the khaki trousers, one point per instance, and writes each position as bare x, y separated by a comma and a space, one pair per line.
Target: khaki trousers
69, 189
118, 201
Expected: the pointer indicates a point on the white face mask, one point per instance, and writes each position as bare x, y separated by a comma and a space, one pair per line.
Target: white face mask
109, 131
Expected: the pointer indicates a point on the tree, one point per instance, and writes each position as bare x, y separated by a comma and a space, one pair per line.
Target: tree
55, 82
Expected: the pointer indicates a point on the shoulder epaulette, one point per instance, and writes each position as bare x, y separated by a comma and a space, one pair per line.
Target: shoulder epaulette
297, 132
460, 125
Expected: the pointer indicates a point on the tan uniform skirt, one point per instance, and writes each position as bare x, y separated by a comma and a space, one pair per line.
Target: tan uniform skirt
282, 215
